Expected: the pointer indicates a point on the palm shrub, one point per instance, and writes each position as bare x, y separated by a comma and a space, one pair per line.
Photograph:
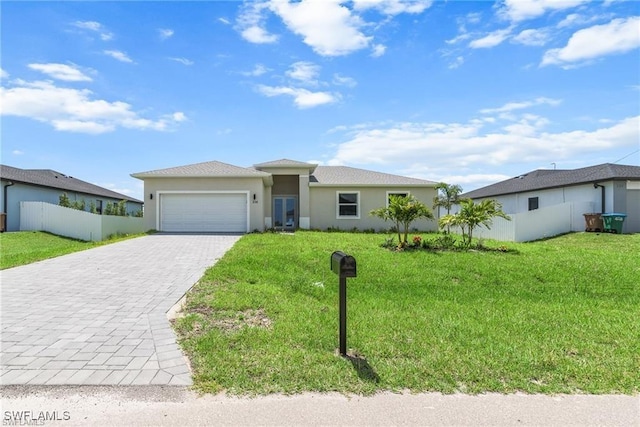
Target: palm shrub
448, 195
473, 215
403, 211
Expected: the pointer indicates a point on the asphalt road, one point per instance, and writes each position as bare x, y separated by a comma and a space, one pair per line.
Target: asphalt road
172, 406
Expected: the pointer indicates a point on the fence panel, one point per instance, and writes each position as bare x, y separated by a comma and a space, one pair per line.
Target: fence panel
41, 216
121, 225
60, 220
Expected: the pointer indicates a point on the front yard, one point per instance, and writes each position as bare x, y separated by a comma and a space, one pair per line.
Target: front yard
555, 316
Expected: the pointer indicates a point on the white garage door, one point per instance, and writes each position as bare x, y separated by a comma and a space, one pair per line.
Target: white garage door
197, 212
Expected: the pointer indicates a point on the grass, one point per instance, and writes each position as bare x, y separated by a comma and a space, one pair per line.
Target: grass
555, 316
25, 247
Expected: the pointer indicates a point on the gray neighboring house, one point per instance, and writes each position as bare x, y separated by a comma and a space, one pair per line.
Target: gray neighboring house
45, 185
608, 187
282, 194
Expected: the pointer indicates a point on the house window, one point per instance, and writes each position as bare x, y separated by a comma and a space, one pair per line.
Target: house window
99, 207
348, 204
396, 193
533, 203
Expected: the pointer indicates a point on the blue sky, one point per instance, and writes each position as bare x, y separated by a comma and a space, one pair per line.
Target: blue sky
459, 91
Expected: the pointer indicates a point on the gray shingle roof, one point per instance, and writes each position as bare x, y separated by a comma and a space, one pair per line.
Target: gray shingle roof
543, 178
285, 163
212, 169
343, 175
53, 179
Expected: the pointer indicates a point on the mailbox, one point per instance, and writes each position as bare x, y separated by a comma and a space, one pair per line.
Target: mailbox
343, 265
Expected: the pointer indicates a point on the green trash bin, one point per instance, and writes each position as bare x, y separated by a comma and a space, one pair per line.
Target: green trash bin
613, 222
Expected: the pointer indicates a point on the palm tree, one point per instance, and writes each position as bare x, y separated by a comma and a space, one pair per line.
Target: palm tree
472, 215
403, 210
448, 195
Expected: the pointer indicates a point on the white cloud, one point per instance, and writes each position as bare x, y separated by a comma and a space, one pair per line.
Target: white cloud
69, 73
116, 54
257, 71
378, 50
303, 98
183, 61
491, 40
225, 21
576, 19
476, 144
76, 110
512, 106
457, 62
304, 72
393, 7
17, 152
251, 21
165, 33
3, 74
95, 27
520, 10
340, 80
616, 37
327, 26
532, 37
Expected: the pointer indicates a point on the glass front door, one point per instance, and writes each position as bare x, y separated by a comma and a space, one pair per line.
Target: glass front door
284, 212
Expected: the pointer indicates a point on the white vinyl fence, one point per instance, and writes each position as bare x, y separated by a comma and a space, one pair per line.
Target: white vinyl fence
537, 224
41, 216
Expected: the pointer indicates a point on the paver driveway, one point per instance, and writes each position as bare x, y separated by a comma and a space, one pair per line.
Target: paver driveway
99, 316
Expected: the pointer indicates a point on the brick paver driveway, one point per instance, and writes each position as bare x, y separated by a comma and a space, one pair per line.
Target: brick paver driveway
99, 316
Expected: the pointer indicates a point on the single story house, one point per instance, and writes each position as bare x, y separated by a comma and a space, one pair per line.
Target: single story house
45, 185
282, 194
606, 188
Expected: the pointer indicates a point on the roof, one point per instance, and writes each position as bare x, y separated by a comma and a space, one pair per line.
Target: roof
53, 179
212, 169
544, 178
343, 175
285, 163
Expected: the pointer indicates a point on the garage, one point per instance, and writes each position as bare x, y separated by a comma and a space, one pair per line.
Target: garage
218, 212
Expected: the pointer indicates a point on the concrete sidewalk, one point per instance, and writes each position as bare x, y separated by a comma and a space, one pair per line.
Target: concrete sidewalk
169, 406
99, 316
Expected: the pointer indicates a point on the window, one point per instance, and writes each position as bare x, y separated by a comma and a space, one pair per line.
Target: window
396, 193
348, 205
99, 207
533, 203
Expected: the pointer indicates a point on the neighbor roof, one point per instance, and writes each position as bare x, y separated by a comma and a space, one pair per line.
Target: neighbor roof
343, 175
544, 178
53, 179
212, 169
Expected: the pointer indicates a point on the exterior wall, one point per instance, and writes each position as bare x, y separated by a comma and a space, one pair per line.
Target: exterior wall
20, 192
632, 221
618, 198
254, 185
323, 207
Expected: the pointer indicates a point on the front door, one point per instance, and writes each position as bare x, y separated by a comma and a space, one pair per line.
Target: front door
284, 212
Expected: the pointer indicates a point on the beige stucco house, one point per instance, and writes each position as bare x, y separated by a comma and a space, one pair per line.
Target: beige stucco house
283, 194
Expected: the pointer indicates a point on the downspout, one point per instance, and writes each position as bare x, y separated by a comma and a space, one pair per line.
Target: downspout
4, 199
596, 185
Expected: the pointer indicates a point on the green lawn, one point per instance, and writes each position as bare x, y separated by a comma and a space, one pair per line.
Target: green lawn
25, 247
555, 316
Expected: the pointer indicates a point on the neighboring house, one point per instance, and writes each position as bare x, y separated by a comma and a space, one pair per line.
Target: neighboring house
44, 185
283, 194
605, 188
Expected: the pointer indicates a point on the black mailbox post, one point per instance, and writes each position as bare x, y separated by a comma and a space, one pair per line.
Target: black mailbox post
344, 266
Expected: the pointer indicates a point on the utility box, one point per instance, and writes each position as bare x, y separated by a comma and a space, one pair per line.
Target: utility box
343, 265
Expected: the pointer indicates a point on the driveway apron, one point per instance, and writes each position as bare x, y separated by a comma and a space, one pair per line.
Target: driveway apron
100, 316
